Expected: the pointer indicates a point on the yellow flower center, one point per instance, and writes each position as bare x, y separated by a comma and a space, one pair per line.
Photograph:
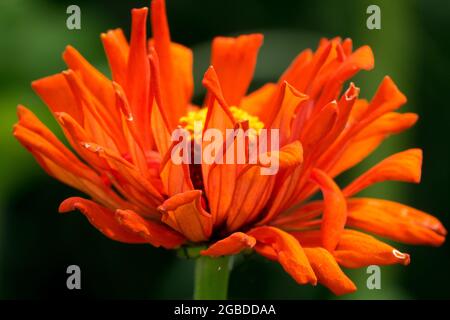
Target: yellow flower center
188, 121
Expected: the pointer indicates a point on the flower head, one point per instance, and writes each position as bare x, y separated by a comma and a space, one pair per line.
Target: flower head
121, 130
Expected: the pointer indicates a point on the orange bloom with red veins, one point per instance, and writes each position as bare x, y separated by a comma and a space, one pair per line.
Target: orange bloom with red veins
121, 131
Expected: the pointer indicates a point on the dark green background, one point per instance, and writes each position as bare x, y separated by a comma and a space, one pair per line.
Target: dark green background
37, 244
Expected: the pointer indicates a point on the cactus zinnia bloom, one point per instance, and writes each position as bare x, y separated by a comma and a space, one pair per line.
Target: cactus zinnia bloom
121, 131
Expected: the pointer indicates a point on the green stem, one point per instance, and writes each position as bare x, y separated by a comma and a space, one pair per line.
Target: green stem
211, 278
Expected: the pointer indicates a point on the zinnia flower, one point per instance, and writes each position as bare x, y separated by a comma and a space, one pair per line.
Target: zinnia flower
121, 131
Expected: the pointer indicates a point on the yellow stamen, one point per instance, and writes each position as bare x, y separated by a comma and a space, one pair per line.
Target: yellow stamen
189, 120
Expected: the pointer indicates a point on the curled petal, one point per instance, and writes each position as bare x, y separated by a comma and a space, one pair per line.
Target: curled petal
101, 218
232, 244
289, 101
184, 213
288, 251
153, 232
328, 271
335, 209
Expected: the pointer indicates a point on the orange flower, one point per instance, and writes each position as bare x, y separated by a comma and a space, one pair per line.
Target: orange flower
121, 132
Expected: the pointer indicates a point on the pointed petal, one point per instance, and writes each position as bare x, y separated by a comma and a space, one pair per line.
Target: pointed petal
138, 186
290, 254
58, 161
97, 83
175, 87
370, 138
159, 112
230, 245
335, 209
234, 60
395, 221
101, 218
388, 98
328, 271
57, 95
153, 232
404, 166
138, 69
117, 51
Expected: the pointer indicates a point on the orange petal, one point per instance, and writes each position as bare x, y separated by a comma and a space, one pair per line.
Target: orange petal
318, 127
328, 271
290, 155
234, 60
175, 177
389, 123
153, 232
289, 101
305, 213
184, 213
388, 98
58, 161
304, 70
251, 194
289, 252
57, 95
117, 50
138, 70
218, 176
295, 72
289, 158
266, 251
370, 138
134, 182
77, 135
335, 209
163, 130
97, 83
232, 244
308, 238
254, 102
403, 166
395, 221
29, 120
101, 218
361, 59
176, 85
358, 250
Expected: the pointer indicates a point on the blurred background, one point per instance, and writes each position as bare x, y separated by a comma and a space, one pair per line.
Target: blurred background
37, 244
